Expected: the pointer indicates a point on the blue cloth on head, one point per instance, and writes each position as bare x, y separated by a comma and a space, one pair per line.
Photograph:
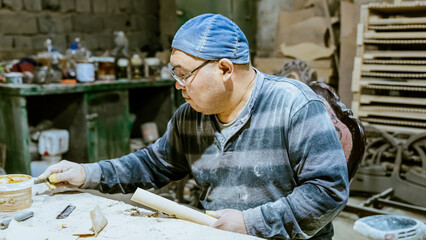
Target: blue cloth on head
212, 37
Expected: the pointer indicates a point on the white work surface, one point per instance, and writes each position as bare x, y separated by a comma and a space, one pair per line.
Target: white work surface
121, 222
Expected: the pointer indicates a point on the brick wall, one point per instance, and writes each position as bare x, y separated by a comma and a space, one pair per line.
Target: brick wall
26, 24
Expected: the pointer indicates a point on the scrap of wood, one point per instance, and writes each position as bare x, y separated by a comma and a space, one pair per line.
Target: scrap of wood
99, 221
310, 30
286, 19
84, 235
272, 65
306, 51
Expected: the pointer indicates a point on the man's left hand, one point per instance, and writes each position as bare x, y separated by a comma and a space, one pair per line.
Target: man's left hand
229, 220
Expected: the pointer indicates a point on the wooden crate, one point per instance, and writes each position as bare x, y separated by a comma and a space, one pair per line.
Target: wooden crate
389, 76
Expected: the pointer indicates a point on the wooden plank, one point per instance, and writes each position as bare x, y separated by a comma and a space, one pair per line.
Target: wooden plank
397, 27
356, 74
393, 68
383, 113
349, 13
389, 128
395, 61
366, 99
394, 75
407, 7
37, 89
365, 82
374, 20
396, 122
395, 41
397, 88
385, 81
397, 54
395, 35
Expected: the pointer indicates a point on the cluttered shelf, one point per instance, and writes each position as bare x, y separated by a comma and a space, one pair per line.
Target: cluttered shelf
57, 88
100, 117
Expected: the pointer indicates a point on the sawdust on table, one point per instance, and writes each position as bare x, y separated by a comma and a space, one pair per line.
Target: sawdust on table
124, 221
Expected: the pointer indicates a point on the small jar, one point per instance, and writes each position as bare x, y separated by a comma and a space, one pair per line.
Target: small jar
153, 68
85, 72
137, 66
14, 77
106, 67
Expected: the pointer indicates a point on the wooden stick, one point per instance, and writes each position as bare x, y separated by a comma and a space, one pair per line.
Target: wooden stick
164, 205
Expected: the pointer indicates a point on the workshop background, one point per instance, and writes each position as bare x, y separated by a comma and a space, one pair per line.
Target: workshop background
86, 80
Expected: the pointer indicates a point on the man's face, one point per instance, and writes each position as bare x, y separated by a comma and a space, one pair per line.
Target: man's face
204, 90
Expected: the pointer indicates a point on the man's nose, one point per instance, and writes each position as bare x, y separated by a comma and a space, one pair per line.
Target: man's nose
178, 86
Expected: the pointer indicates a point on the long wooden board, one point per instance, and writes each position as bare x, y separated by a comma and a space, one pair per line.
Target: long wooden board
395, 41
393, 68
393, 75
396, 54
387, 81
395, 61
397, 27
397, 122
367, 99
389, 128
384, 113
374, 20
395, 35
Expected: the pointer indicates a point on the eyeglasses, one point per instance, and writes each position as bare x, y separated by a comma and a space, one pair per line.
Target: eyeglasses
181, 80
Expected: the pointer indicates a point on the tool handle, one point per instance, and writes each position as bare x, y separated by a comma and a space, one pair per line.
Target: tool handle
164, 205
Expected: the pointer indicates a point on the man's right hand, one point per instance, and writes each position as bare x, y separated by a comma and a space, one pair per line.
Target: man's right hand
67, 172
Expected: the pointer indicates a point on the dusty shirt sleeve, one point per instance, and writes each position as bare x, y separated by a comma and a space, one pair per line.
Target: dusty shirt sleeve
153, 166
93, 175
320, 171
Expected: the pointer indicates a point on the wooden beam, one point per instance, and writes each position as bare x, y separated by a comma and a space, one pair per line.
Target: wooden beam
393, 68
366, 99
399, 54
374, 20
395, 35
384, 113
390, 128
387, 82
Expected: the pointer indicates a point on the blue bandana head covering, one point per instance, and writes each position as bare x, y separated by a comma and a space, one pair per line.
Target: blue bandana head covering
212, 37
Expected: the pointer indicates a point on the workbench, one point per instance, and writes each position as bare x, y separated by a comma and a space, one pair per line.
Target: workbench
101, 117
124, 221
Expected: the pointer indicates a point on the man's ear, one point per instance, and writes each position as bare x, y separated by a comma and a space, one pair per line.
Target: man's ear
226, 67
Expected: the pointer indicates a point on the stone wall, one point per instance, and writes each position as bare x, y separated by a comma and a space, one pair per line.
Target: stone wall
26, 24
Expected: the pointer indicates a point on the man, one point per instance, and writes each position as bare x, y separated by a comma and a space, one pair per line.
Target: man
262, 148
